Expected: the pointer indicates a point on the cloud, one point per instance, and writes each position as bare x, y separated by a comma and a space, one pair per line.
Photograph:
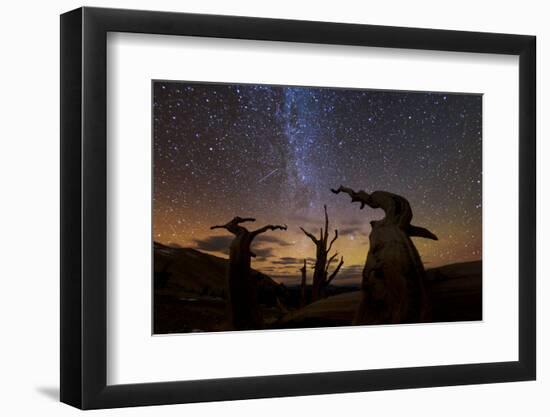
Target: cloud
214, 243
351, 230
262, 253
350, 272
288, 260
265, 238
222, 243
261, 245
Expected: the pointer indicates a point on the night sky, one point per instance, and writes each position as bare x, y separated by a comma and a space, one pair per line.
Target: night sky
274, 152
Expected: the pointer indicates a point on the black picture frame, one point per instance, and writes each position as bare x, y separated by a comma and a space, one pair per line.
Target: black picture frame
84, 208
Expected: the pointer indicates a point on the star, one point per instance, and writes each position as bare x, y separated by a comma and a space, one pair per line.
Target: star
273, 152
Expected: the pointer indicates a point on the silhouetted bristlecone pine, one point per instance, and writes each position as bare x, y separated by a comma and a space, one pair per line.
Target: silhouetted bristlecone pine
303, 284
393, 288
321, 279
243, 293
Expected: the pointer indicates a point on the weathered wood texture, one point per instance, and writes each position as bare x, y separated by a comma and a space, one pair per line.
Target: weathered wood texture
393, 287
243, 291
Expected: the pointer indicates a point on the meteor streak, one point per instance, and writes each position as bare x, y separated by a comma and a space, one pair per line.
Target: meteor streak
268, 175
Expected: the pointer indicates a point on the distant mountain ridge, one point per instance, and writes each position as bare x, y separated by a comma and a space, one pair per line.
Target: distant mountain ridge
192, 271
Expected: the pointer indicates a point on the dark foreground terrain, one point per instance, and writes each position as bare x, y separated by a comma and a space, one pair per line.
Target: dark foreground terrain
191, 295
454, 290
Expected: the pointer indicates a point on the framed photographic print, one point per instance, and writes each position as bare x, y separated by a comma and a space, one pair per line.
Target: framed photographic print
242, 198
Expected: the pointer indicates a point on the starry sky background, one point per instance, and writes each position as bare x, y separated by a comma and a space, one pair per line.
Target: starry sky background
274, 152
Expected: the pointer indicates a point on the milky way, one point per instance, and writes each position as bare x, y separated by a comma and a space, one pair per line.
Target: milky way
274, 152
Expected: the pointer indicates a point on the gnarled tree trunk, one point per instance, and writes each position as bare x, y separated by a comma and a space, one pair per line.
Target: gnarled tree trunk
243, 288
392, 289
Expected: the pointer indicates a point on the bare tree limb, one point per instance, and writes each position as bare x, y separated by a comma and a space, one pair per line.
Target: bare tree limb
303, 268
322, 264
234, 223
333, 239
315, 240
331, 259
243, 219
218, 227
325, 237
269, 227
420, 232
356, 196
333, 275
